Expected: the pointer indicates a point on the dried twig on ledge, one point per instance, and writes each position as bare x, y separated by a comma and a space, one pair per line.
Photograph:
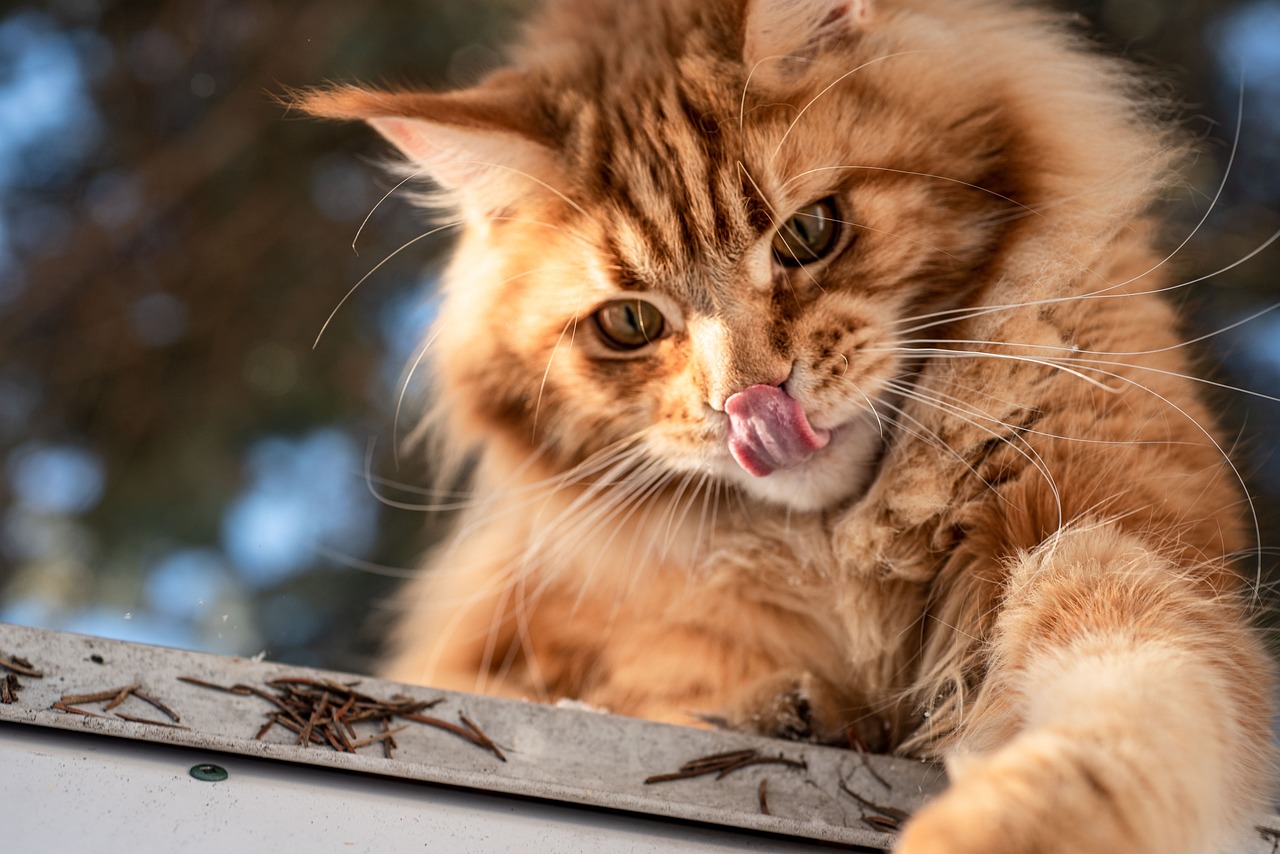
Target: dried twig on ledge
114, 697
724, 764
19, 665
325, 712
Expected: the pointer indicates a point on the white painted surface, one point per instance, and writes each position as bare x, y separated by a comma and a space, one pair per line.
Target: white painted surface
69, 792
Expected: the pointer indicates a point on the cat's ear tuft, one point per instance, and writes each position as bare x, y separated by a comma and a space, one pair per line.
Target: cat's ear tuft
778, 30
475, 144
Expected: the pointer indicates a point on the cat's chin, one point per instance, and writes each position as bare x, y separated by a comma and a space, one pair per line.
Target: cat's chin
836, 475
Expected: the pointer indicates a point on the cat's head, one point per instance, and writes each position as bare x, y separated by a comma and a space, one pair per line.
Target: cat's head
700, 237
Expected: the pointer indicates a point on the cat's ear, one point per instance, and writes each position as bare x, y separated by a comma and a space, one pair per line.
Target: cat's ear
476, 144
777, 30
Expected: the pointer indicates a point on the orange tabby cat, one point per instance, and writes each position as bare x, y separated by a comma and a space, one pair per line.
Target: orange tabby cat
811, 358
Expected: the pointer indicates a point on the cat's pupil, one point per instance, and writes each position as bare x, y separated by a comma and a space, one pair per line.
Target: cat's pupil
809, 235
630, 324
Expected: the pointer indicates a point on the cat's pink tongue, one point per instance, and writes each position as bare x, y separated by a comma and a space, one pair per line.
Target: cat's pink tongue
768, 430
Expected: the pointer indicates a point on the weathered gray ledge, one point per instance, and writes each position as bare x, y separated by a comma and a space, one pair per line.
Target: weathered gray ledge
566, 755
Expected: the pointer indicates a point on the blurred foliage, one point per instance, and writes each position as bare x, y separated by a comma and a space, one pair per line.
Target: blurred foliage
179, 465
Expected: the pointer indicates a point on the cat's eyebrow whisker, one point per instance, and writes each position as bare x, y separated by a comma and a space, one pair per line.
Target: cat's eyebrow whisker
785, 134
1001, 196
376, 267
746, 86
535, 179
899, 236
778, 222
551, 225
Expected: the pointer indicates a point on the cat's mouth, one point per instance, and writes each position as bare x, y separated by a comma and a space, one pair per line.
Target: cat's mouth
769, 430
778, 456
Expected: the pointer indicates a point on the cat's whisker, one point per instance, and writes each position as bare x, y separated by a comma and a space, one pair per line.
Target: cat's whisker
592, 464
1026, 451
418, 173
1076, 350
1236, 474
600, 498
870, 406
376, 268
746, 86
542, 385
945, 353
1032, 431
1227, 171
963, 314
404, 391
675, 516
956, 315
924, 434
365, 566
961, 579
1081, 362
491, 638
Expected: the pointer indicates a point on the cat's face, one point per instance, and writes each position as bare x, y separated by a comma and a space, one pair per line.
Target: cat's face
701, 255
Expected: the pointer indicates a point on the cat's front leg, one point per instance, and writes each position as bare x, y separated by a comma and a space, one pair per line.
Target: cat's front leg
1128, 709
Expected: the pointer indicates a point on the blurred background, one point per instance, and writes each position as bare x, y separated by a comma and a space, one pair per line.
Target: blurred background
179, 465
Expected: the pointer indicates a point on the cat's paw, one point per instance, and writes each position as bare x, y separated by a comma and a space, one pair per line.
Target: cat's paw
1036, 796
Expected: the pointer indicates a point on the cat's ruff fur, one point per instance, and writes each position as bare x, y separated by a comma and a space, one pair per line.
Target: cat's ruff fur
1020, 561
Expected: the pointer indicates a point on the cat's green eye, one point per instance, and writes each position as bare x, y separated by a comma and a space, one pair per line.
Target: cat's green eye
630, 324
809, 235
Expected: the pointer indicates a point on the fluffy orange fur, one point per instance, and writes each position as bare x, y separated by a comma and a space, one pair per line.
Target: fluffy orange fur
1015, 552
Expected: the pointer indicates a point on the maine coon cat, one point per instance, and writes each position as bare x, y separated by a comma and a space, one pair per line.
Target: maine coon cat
811, 359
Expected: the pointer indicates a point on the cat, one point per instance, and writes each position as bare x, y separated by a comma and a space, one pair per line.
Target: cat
810, 366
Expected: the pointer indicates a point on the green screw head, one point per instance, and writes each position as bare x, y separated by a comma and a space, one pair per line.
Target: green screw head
208, 772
